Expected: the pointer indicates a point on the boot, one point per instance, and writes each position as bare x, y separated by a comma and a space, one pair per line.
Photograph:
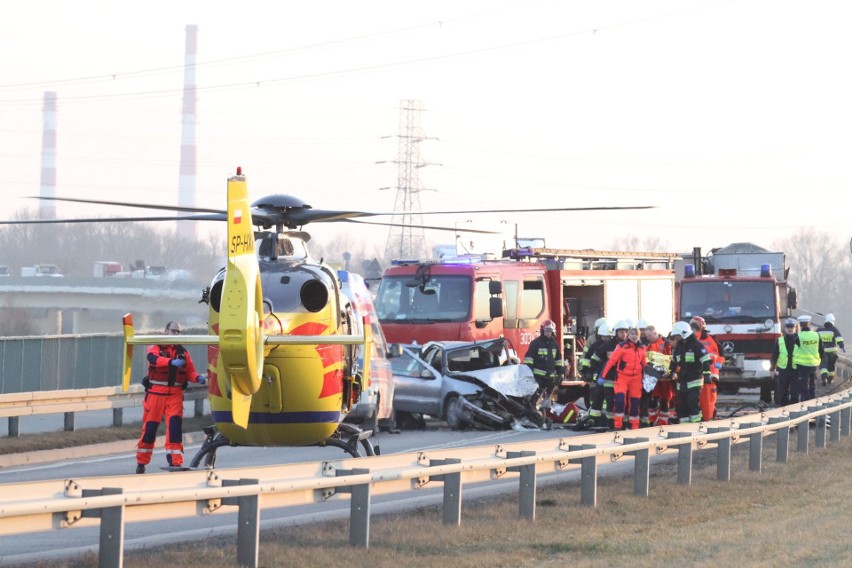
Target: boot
140, 468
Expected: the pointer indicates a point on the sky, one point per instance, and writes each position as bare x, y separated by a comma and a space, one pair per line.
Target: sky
732, 118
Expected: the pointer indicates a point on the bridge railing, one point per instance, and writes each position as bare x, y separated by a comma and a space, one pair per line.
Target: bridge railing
112, 501
63, 362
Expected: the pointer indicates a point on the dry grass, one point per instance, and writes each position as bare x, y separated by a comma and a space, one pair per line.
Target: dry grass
788, 515
86, 436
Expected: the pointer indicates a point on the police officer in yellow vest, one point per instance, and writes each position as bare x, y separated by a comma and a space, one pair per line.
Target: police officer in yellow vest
783, 367
806, 357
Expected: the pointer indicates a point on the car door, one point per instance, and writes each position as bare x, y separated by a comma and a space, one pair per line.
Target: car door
417, 385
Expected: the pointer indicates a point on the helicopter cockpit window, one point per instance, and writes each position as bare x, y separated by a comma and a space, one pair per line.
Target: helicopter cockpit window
284, 245
440, 298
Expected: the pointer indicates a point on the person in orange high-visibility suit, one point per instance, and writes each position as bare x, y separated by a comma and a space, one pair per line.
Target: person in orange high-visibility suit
170, 367
628, 360
661, 409
708, 395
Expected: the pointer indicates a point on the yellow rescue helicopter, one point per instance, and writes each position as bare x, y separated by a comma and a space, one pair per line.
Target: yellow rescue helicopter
282, 361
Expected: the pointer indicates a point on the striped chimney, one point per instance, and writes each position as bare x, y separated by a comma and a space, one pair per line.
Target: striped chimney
186, 192
47, 209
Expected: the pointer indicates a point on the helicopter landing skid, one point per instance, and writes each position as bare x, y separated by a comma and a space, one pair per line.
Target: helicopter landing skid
348, 437
213, 441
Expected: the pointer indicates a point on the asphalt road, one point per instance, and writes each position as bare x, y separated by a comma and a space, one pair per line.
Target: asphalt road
69, 542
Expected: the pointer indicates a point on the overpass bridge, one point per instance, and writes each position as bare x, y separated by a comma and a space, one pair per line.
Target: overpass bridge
95, 305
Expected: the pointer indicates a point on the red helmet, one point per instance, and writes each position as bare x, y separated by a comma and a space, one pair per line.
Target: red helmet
699, 321
548, 325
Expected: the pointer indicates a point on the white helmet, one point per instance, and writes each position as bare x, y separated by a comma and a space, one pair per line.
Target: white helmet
829, 318
622, 324
599, 322
641, 324
681, 329
604, 329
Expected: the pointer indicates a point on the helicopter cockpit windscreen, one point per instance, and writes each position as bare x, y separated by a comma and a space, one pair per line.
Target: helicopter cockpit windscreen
439, 298
728, 301
273, 246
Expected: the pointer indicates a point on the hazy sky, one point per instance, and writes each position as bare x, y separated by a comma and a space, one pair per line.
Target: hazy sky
732, 117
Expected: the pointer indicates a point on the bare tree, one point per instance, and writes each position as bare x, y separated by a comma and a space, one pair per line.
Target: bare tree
820, 267
635, 244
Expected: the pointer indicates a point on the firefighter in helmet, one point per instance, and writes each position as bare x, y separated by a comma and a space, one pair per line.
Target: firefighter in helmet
661, 399
592, 343
597, 359
832, 340
691, 363
709, 394
170, 368
607, 381
544, 357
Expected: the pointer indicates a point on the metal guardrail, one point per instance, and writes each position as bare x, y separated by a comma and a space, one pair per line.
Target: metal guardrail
113, 501
68, 402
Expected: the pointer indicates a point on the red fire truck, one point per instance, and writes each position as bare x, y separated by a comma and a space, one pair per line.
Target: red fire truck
469, 298
741, 291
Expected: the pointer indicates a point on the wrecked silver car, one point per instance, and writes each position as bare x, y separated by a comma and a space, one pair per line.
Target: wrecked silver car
469, 384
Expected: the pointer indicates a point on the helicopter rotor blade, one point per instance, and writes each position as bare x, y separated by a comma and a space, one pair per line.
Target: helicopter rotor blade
433, 227
209, 217
538, 210
131, 204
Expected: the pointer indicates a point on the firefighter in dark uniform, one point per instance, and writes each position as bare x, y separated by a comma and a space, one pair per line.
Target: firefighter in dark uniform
832, 340
607, 382
170, 367
782, 366
592, 342
691, 363
590, 371
544, 357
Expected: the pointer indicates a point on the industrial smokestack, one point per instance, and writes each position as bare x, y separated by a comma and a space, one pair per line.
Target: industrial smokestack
186, 193
47, 209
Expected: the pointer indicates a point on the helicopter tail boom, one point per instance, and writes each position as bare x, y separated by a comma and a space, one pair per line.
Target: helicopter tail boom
240, 336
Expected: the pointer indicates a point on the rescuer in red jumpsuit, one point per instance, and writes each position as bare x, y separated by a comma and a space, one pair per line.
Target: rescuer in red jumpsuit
628, 360
169, 369
707, 397
661, 408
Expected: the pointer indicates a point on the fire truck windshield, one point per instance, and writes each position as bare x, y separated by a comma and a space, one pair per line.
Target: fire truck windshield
728, 300
439, 298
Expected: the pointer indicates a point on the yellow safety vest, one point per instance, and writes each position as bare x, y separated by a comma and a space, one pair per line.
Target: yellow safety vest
807, 352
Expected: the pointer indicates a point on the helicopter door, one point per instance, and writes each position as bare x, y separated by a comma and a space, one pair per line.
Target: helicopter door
269, 398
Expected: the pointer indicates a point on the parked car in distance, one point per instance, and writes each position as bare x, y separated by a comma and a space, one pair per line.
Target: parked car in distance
468, 384
375, 405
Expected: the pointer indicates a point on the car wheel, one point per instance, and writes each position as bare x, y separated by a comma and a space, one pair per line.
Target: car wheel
453, 413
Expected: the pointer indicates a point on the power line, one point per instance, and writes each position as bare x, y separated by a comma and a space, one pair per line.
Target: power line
363, 69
